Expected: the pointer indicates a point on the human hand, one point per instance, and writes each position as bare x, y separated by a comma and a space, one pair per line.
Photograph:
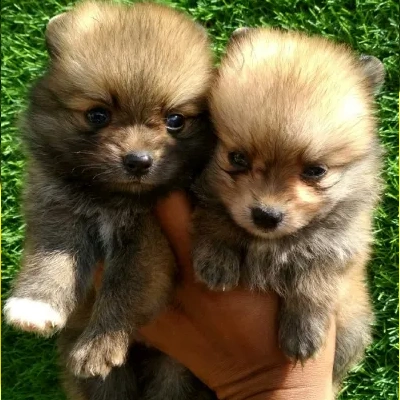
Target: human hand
229, 339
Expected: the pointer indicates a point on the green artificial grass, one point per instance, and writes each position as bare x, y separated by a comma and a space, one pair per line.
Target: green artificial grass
29, 370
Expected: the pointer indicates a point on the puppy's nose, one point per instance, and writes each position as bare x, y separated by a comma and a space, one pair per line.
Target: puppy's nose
266, 217
138, 163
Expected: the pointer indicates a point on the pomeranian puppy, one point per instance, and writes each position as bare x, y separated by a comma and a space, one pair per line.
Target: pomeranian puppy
287, 199
118, 120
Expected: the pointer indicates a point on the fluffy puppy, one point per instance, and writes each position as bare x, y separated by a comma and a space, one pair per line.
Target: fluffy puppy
118, 120
288, 196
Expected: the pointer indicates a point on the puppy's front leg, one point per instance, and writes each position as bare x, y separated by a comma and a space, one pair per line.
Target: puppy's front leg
304, 320
56, 271
216, 264
120, 384
137, 283
354, 318
216, 261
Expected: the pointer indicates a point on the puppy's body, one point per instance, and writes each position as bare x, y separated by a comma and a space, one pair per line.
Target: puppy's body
116, 122
287, 199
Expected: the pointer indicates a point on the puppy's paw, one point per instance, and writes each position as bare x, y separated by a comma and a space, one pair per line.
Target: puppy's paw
218, 268
216, 277
33, 315
301, 337
96, 355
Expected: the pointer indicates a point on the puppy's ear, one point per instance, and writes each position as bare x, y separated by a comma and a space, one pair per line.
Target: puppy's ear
54, 32
374, 72
64, 29
202, 29
238, 33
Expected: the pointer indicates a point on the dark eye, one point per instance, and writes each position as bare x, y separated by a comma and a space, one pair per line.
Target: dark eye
239, 161
175, 122
314, 172
98, 117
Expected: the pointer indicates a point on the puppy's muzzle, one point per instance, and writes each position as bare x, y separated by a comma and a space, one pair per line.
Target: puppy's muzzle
138, 164
266, 217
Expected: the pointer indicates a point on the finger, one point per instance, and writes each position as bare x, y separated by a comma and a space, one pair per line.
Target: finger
174, 215
181, 340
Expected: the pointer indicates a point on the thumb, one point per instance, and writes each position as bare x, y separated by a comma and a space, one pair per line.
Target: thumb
98, 275
174, 215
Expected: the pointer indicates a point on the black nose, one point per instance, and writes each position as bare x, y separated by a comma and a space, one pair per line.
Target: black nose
266, 217
138, 163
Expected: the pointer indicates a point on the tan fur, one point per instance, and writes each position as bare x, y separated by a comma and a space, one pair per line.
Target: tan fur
304, 101
97, 49
353, 314
170, 57
287, 101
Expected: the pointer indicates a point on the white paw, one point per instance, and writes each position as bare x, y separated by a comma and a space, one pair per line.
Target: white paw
96, 355
33, 315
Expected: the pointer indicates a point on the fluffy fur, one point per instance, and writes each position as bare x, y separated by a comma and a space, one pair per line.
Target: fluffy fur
286, 105
117, 74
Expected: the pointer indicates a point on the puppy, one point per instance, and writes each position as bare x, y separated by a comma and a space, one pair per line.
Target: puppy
117, 121
287, 199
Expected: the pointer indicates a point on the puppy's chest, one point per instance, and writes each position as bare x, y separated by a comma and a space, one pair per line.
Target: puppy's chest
118, 227
272, 266
296, 258
273, 256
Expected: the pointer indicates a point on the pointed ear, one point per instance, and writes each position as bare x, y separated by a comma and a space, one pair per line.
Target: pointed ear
374, 72
238, 33
53, 34
202, 29
65, 28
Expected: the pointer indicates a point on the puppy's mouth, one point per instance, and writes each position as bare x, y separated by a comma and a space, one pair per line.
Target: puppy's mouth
144, 179
284, 229
264, 227
269, 234
152, 178
131, 180
134, 179
131, 186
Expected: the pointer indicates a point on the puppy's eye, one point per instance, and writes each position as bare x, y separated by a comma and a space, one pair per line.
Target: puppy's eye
314, 172
239, 161
175, 123
98, 117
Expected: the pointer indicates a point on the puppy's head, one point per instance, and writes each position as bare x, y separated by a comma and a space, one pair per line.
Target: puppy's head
294, 118
123, 103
